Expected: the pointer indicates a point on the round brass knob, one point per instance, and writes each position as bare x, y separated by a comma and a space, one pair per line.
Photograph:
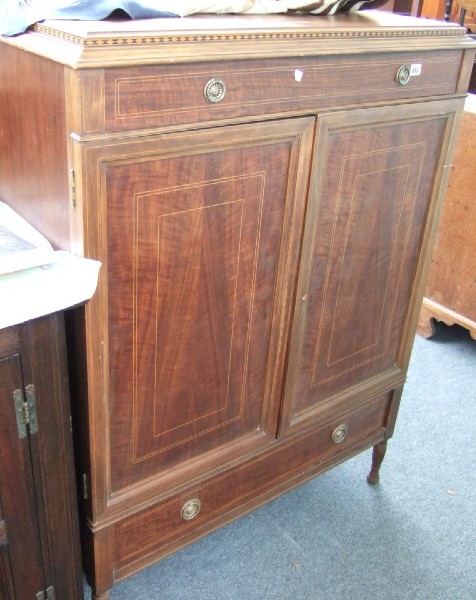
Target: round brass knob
214, 90
190, 509
339, 434
403, 75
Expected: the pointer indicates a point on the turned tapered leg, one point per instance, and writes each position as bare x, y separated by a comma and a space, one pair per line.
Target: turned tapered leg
104, 596
377, 458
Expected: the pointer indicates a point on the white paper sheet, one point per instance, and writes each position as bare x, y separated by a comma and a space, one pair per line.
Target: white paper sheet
33, 293
21, 246
34, 279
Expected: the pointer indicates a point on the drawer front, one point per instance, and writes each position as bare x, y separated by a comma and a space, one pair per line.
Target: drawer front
156, 96
185, 517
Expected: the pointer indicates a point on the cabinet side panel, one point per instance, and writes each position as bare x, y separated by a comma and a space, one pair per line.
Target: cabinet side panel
33, 163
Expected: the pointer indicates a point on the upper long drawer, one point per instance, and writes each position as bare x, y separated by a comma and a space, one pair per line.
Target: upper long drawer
161, 96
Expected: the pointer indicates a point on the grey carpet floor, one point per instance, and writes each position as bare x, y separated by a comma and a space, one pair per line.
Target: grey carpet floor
412, 537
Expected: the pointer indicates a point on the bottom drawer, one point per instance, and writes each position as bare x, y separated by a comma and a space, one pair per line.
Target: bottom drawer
183, 518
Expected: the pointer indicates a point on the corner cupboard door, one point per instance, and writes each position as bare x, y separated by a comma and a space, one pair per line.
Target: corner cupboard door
375, 185
22, 573
199, 234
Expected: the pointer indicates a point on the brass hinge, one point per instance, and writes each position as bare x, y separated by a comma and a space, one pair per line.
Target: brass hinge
72, 182
25, 411
49, 594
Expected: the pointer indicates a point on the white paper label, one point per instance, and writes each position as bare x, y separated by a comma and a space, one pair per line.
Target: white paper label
415, 70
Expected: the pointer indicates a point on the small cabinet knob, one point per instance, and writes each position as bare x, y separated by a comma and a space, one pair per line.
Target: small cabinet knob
190, 509
403, 75
214, 90
339, 433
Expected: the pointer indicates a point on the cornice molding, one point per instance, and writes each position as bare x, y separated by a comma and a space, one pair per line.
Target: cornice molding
205, 38
240, 36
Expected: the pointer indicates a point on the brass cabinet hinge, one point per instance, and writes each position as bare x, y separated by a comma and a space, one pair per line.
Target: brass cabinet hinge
25, 411
72, 183
48, 594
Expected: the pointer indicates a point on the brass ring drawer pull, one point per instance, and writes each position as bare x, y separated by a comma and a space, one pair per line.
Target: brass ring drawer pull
190, 509
214, 90
339, 434
403, 75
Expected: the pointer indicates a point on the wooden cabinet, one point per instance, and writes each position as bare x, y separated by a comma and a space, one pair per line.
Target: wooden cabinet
262, 194
39, 537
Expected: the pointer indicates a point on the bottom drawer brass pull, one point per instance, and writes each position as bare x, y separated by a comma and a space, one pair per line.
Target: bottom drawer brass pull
190, 509
339, 434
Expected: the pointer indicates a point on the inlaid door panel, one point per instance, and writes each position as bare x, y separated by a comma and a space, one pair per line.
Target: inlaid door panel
198, 233
364, 230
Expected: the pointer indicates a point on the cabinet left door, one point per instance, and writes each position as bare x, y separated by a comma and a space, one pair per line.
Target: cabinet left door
39, 539
198, 233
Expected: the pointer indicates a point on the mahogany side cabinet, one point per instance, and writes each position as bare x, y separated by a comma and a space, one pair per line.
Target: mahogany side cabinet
39, 534
263, 193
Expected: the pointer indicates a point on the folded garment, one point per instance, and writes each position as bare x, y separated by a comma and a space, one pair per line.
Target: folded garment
17, 15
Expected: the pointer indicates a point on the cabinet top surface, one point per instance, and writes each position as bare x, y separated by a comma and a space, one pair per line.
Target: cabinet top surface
211, 37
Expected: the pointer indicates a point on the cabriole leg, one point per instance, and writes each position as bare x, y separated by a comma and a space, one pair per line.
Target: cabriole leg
377, 458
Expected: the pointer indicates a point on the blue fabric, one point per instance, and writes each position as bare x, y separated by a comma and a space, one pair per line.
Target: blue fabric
16, 16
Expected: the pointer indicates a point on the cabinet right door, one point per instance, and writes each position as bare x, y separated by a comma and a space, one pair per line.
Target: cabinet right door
377, 175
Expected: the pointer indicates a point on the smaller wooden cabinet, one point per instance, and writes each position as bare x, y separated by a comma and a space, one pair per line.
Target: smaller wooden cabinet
451, 287
39, 540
